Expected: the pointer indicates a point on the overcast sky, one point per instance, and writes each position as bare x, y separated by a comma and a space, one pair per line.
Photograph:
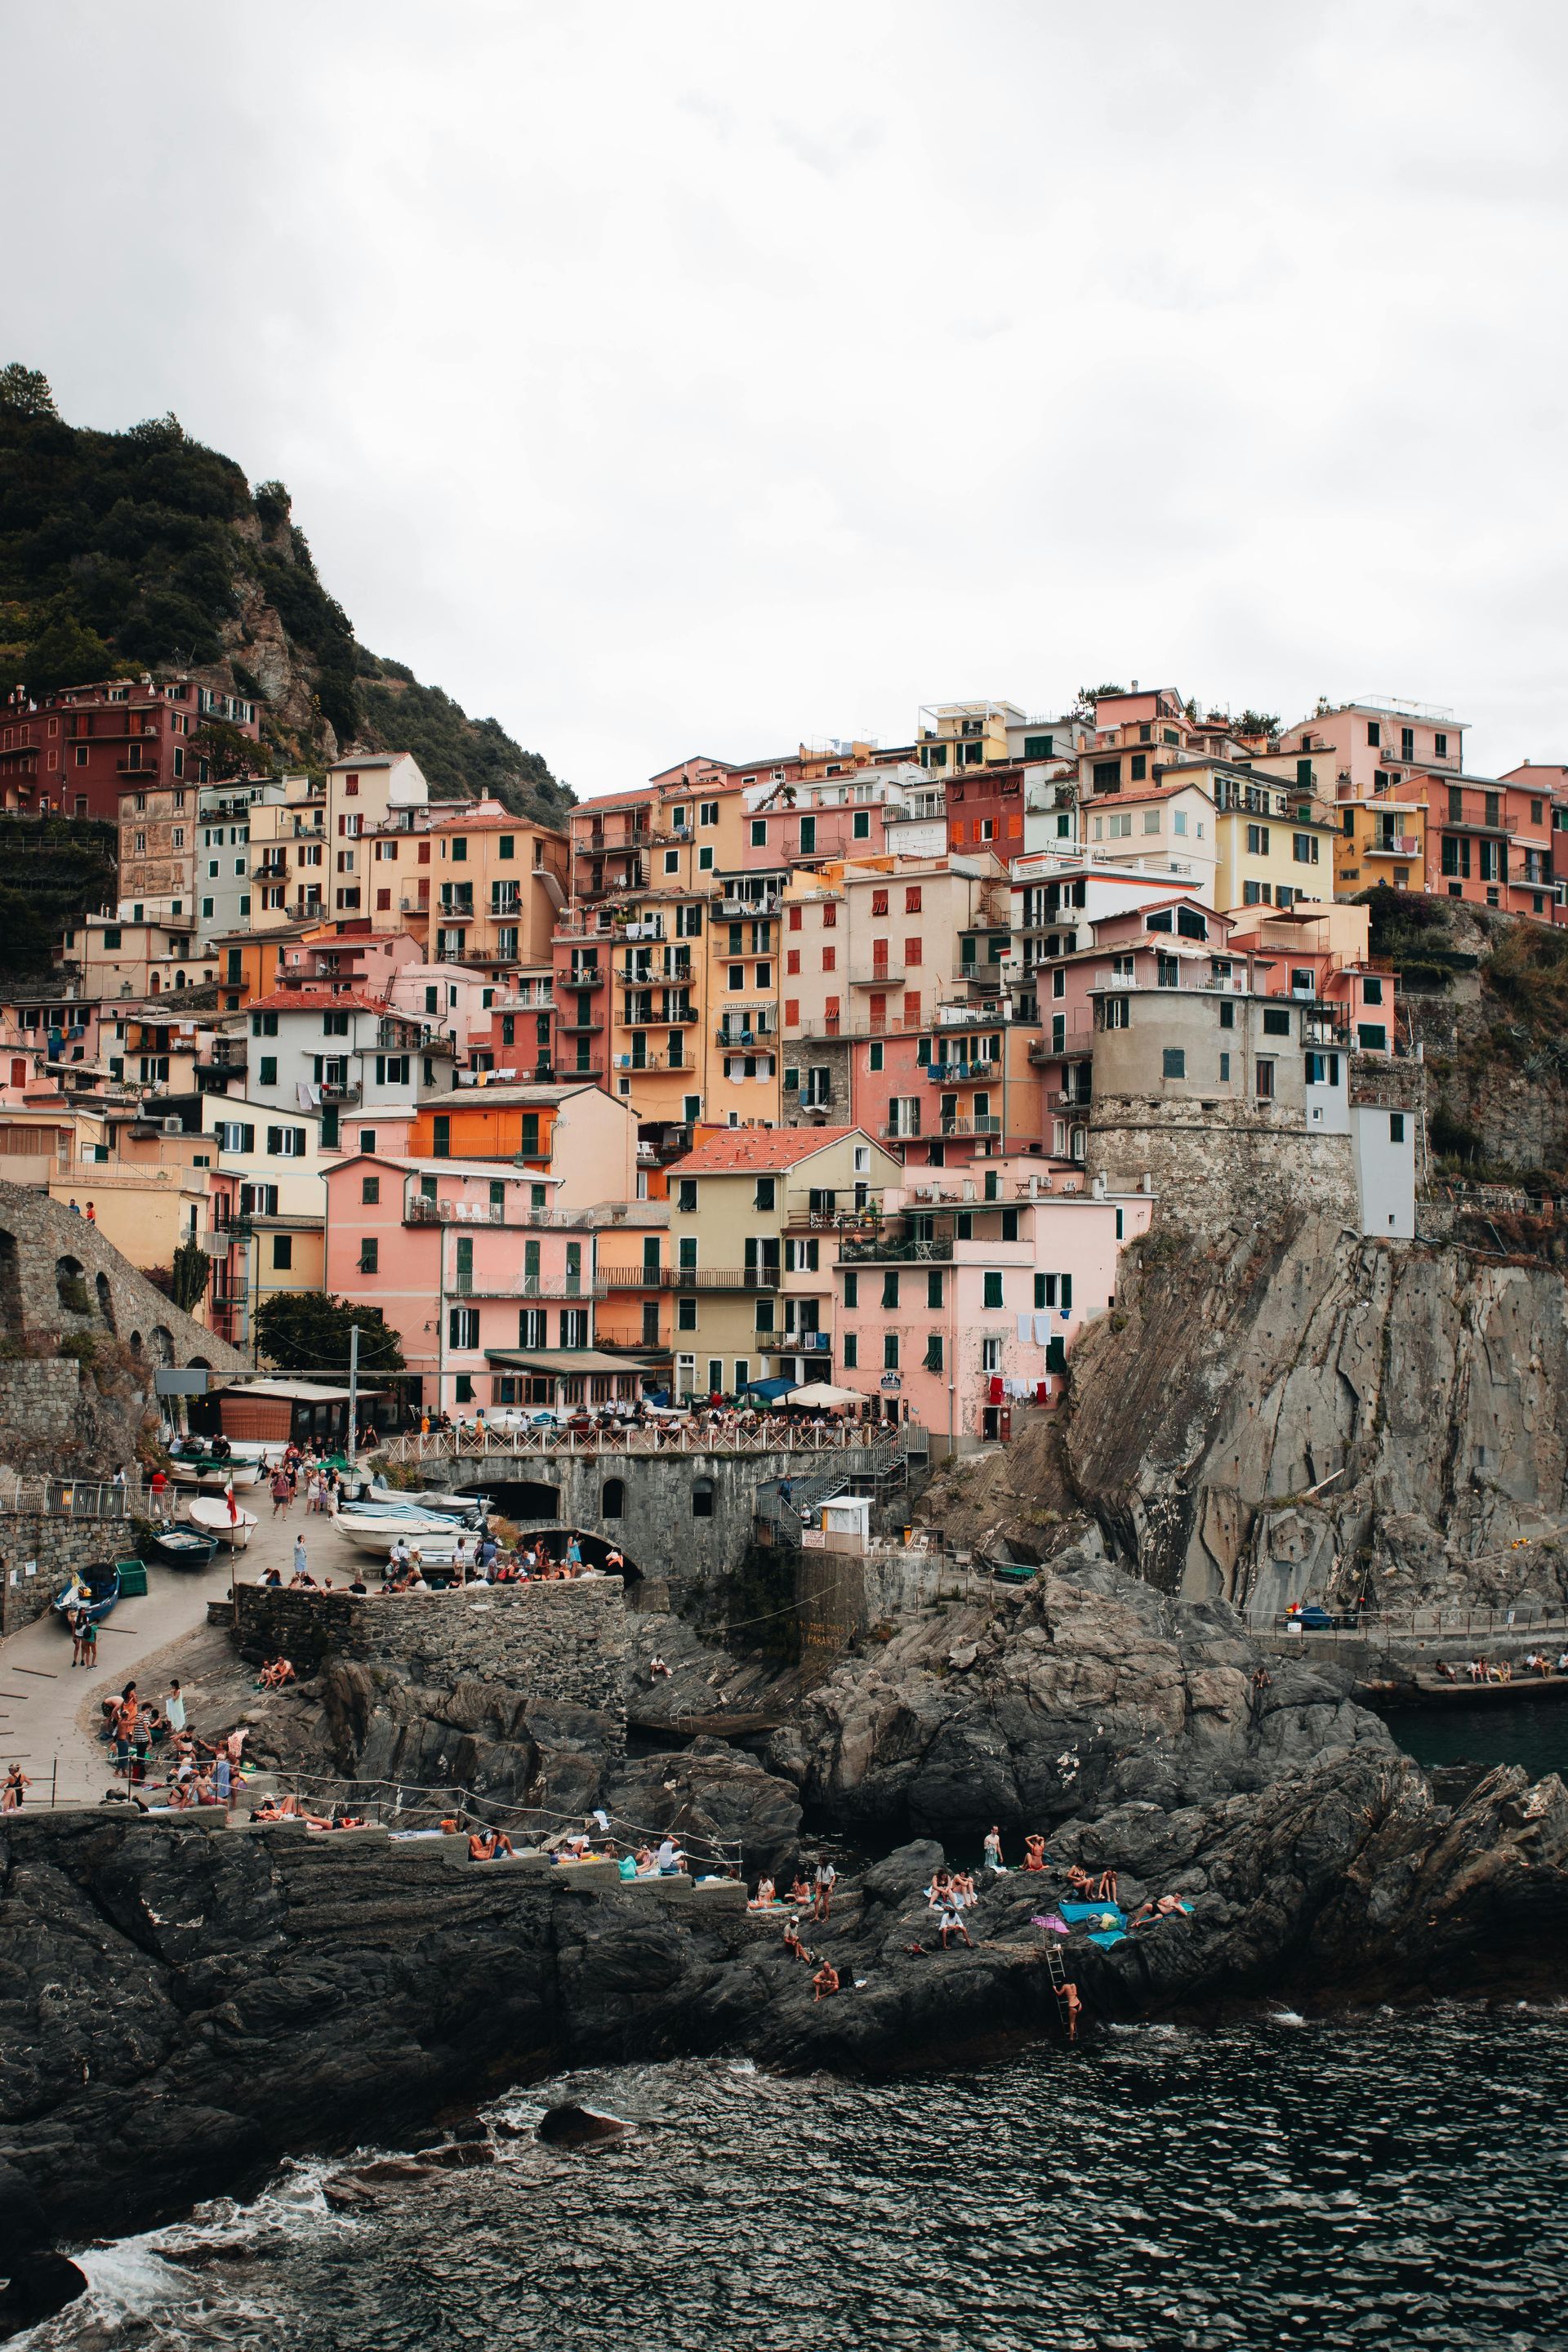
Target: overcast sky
677, 378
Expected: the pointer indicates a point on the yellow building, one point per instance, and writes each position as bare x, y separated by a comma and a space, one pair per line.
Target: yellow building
1382, 839
1274, 843
752, 1249
497, 883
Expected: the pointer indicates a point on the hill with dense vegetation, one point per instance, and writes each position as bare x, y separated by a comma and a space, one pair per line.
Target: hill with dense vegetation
144, 550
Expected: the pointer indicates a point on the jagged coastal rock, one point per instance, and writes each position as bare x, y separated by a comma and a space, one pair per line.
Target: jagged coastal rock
224, 1996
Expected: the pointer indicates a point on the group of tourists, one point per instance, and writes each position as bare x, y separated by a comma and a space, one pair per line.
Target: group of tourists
152, 1746
320, 1481
1500, 1670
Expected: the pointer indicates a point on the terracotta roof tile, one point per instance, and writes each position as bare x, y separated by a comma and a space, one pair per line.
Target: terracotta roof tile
745, 1147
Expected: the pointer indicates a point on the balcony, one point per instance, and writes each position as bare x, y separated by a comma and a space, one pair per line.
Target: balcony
413, 906
535, 1285
1069, 1098
879, 975
1407, 846
898, 1250
746, 1040
593, 977
985, 1124
629, 975
740, 910
963, 1073
1074, 1042
721, 1278
893, 1132
577, 1028
632, 1278
628, 1065
334, 1093
796, 1343
420, 1212
457, 914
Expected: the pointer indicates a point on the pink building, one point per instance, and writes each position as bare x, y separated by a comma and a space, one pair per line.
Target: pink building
966, 1305
492, 1296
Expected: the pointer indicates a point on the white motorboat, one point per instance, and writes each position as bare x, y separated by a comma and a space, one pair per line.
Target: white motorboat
425, 1505
436, 1538
210, 1513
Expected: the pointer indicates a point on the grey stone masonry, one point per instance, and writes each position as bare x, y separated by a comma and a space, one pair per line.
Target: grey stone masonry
565, 1641
52, 1546
58, 1276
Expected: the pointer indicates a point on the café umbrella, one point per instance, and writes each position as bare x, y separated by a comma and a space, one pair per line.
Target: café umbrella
819, 1394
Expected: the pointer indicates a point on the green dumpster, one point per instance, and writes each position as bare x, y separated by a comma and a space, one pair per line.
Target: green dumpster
132, 1579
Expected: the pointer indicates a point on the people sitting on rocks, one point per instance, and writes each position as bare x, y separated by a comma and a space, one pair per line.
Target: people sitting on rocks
486, 1843
792, 1943
1105, 1886
800, 1890
669, 1860
1159, 1906
824, 1981
1501, 1671
1079, 1879
1538, 1663
1476, 1670
1262, 1680
275, 1673
949, 1910
1034, 1851
765, 1897
1445, 1672
657, 1669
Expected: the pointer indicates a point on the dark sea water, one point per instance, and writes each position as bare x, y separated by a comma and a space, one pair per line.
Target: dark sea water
1531, 1732
1392, 2183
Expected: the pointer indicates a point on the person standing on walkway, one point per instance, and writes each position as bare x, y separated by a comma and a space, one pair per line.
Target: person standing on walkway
158, 1494
89, 1642
301, 1561
175, 1710
282, 1493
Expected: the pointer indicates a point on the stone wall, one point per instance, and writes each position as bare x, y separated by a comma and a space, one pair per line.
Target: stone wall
39, 1399
41, 1242
55, 1546
565, 1641
1210, 1163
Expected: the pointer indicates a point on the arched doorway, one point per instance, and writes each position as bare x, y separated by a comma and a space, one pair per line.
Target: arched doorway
527, 1500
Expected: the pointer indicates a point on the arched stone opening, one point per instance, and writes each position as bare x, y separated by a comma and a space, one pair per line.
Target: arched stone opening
525, 1499
161, 1343
70, 1287
11, 1316
106, 1301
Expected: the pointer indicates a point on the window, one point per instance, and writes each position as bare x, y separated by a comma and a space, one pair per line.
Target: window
234, 1135
267, 1070
686, 1314
767, 1187
1258, 841
441, 1135
992, 1290
370, 1189
860, 824
282, 1253
1371, 1036
851, 1290
890, 1352
1107, 775
1439, 747
672, 861
1265, 1088
1304, 848
463, 1327
878, 902
889, 1289
1117, 1012
1276, 1023
1373, 734
912, 898
829, 958
1224, 1071
686, 1195
286, 1143
808, 839
759, 834
707, 811
1174, 1062
1396, 1127
874, 1054
370, 1256
1139, 764
334, 1024
851, 1346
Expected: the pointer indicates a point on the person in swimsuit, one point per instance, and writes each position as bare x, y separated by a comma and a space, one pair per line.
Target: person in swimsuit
1034, 1851
17, 1784
824, 1981
824, 1879
1072, 2006
994, 1850
485, 1844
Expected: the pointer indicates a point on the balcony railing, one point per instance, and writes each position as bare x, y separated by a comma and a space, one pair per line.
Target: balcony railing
628, 976
1073, 1042
963, 1074
721, 1278
985, 1124
347, 1091
629, 1064
534, 1286
593, 977
577, 1028
879, 975
903, 1250
1407, 846
738, 910
632, 1278
745, 1040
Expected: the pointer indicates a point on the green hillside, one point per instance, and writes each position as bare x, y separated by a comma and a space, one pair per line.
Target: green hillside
145, 550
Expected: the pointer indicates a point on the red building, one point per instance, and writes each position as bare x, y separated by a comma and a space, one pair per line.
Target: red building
75, 753
985, 810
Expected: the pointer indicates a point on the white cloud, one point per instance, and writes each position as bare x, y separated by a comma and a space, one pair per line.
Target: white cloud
691, 377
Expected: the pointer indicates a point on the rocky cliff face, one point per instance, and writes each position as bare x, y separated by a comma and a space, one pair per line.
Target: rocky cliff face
1294, 1410
180, 2005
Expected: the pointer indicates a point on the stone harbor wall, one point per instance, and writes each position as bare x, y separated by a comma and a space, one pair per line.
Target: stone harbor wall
565, 1641
50, 1547
39, 1399
59, 1275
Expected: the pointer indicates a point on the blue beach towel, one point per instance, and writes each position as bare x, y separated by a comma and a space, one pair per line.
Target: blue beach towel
1074, 1912
1105, 1936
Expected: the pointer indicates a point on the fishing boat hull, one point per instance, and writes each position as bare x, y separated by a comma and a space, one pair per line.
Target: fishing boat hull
427, 1503
187, 1547
211, 1477
91, 1593
212, 1519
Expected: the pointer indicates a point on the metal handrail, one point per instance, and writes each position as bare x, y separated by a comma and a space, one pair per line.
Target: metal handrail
477, 1442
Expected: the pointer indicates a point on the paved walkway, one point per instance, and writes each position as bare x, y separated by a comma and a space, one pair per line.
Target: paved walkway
49, 1710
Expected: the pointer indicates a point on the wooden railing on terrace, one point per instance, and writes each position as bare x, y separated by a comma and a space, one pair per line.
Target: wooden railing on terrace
479, 1442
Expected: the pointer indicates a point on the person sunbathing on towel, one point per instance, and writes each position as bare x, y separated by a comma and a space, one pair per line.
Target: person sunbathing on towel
764, 1896
485, 1844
